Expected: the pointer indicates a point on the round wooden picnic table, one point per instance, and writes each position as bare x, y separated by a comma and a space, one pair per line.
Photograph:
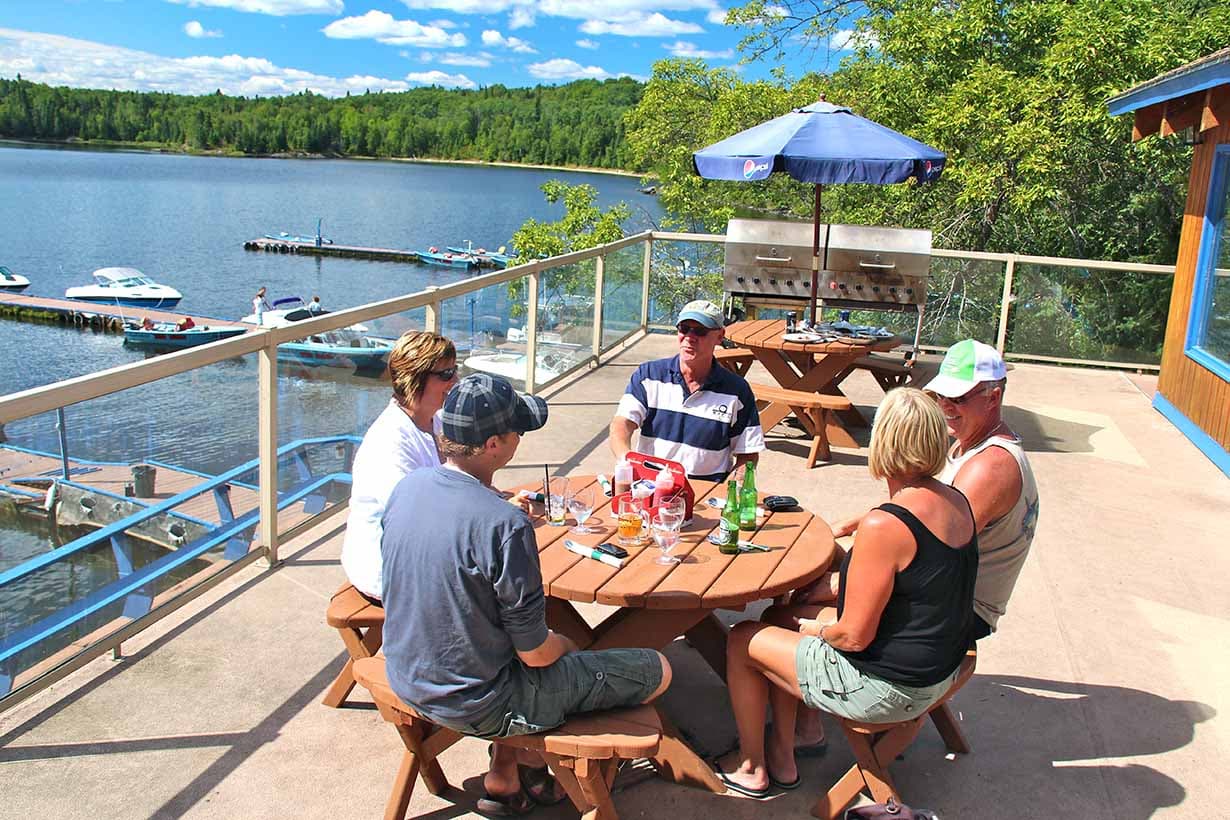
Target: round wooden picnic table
815, 367
658, 603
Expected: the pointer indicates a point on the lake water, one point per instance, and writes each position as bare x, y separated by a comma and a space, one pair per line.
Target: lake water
183, 220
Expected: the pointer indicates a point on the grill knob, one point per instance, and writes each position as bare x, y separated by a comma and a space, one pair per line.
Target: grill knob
789, 283
875, 289
772, 281
833, 285
739, 278
858, 287
842, 286
755, 280
909, 291
892, 290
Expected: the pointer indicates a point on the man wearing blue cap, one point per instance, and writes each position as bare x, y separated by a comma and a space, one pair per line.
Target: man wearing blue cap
465, 632
688, 408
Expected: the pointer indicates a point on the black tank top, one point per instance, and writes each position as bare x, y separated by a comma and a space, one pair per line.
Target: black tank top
926, 625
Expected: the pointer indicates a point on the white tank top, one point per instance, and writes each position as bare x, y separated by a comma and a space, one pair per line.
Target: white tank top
1003, 543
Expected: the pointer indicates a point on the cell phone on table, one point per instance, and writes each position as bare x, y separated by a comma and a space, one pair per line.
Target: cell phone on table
612, 549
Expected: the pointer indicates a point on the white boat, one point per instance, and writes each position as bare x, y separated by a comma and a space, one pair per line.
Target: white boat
11, 281
348, 348
125, 286
511, 365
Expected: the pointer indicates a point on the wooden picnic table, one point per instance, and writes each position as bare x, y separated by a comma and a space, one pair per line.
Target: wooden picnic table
816, 367
658, 603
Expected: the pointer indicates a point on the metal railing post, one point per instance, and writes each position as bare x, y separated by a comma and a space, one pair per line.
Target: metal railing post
62, 429
599, 285
1005, 304
434, 310
531, 333
267, 365
646, 268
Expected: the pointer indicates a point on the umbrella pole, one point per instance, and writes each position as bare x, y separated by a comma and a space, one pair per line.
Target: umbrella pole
815, 255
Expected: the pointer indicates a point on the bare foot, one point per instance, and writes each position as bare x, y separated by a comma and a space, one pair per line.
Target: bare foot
737, 772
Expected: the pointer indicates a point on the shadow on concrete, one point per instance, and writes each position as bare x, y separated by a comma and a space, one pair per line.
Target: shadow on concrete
1040, 749
1047, 434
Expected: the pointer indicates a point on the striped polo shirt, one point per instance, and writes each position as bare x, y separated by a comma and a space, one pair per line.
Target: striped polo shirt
704, 430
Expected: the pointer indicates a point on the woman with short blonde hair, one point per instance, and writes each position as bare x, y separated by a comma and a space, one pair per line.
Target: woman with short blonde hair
423, 368
904, 613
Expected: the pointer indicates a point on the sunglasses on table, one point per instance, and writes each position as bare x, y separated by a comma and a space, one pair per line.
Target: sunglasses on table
445, 375
699, 331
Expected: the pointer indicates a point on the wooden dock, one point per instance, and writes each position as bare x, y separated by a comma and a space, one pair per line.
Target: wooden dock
353, 251
94, 315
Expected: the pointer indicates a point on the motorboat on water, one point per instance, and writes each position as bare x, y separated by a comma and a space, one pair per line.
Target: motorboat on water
12, 282
350, 348
448, 259
174, 336
484, 258
554, 357
311, 240
125, 286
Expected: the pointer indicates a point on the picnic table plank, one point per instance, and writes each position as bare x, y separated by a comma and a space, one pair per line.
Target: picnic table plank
779, 532
807, 559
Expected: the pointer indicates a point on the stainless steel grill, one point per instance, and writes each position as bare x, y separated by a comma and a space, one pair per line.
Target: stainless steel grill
769, 265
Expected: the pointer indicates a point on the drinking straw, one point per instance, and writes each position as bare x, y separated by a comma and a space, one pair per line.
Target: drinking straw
546, 488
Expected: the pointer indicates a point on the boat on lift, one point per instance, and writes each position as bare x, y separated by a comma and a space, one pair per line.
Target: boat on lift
12, 282
448, 258
311, 240
484, 257
125, 286
174, 336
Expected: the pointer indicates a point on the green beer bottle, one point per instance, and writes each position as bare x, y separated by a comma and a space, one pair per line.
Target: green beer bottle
747, 498
728, 527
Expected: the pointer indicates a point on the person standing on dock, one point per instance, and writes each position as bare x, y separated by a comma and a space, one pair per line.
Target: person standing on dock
259, 305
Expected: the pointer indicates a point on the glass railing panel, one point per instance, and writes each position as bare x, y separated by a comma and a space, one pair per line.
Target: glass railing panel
1089, 314
488, 328
622, 288
66, 581
565, 318
681, 272
963, 301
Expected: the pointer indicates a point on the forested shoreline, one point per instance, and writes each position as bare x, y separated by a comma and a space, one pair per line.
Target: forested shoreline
579, 124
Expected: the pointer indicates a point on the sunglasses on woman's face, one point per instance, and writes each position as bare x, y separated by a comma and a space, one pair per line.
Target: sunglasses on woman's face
699, 331
445, 375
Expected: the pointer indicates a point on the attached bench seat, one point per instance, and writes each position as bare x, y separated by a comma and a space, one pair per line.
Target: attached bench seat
876, 745
583, 754
736, 359
891, 370
815, 408
361, 624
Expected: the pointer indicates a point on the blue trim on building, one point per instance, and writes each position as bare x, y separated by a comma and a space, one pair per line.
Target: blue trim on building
1198, 80
1211, 233
1203, 441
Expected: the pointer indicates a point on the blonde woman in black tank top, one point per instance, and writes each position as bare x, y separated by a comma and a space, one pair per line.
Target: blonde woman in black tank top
904, 609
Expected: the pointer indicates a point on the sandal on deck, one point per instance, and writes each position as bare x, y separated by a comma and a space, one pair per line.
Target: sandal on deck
540, 785
509, 805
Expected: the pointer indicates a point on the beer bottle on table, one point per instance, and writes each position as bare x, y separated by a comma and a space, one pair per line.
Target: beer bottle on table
728, 527
747, 498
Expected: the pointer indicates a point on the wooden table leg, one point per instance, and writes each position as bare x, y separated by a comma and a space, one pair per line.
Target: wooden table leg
563, 617
709, 639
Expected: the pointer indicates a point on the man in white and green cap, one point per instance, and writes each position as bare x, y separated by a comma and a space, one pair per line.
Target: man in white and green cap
987, 463
689, 408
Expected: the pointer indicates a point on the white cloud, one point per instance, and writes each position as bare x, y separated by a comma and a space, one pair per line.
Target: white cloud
460, 6
590, 44
640, 25
441, 79
278, 8
717, 17
495, 39
195, 30
56, 60
382, 27
521, 17
562, 69
480, 60
443, 23
849, 39
680, 48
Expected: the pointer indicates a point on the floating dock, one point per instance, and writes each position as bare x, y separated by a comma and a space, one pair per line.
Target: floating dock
94, 315
353, 251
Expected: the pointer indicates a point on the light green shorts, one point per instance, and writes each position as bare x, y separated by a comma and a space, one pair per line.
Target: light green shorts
829, 682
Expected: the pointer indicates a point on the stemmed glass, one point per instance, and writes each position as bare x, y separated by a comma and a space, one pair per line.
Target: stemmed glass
581, 505
666, 523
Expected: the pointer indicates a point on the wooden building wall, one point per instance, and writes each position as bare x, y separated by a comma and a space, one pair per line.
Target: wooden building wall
1202, 396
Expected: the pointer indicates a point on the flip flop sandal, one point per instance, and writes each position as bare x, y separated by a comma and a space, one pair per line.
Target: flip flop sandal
788, 785
510, 805
738, 788
540, 785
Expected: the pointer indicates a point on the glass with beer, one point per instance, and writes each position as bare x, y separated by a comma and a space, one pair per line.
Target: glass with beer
631, 519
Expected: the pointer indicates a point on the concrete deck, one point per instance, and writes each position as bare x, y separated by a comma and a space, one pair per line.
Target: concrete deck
1103, 696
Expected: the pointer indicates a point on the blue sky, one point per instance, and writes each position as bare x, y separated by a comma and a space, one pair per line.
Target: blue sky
270, 47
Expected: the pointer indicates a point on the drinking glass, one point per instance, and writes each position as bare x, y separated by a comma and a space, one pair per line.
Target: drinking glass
581, 505
666, 523
557, 501
632, 521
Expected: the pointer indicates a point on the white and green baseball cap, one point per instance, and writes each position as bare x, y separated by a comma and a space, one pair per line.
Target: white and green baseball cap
967, 365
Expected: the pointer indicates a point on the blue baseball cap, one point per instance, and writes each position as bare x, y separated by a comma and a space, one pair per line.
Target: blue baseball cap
481, 405
703, 312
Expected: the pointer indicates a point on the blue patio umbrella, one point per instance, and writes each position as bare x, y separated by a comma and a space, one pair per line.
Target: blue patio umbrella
822, 144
